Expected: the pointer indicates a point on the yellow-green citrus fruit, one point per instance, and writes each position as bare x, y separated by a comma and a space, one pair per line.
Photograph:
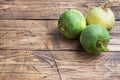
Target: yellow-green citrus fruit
71, 23
95, 39
100, 16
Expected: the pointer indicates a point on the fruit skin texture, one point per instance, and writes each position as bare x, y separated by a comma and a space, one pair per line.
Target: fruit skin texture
95, 39
71, 23
103, 17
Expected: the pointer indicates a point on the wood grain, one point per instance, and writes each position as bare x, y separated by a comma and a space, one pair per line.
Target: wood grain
72, 65
44, 9
35, 35
32, 48
26, 65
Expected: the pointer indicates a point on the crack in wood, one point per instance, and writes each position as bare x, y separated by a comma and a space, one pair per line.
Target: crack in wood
60, 77
44, 58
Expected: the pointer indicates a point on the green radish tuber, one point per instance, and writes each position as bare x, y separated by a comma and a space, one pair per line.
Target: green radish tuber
102, 15
71, 23
95, 39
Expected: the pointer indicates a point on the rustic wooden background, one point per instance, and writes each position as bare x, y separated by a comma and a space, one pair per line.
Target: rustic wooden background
32, 48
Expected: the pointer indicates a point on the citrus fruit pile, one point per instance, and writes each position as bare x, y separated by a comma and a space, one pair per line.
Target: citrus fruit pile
92, 30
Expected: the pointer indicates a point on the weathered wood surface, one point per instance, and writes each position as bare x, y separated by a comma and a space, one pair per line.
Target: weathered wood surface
32, 48
53, 65
46, 9
34, 35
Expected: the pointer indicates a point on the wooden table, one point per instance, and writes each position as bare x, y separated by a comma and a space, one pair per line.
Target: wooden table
32, 48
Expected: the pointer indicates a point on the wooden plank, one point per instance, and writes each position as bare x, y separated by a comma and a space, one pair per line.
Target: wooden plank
27, 65
36, 35
58, 65
80, 66
44, 9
